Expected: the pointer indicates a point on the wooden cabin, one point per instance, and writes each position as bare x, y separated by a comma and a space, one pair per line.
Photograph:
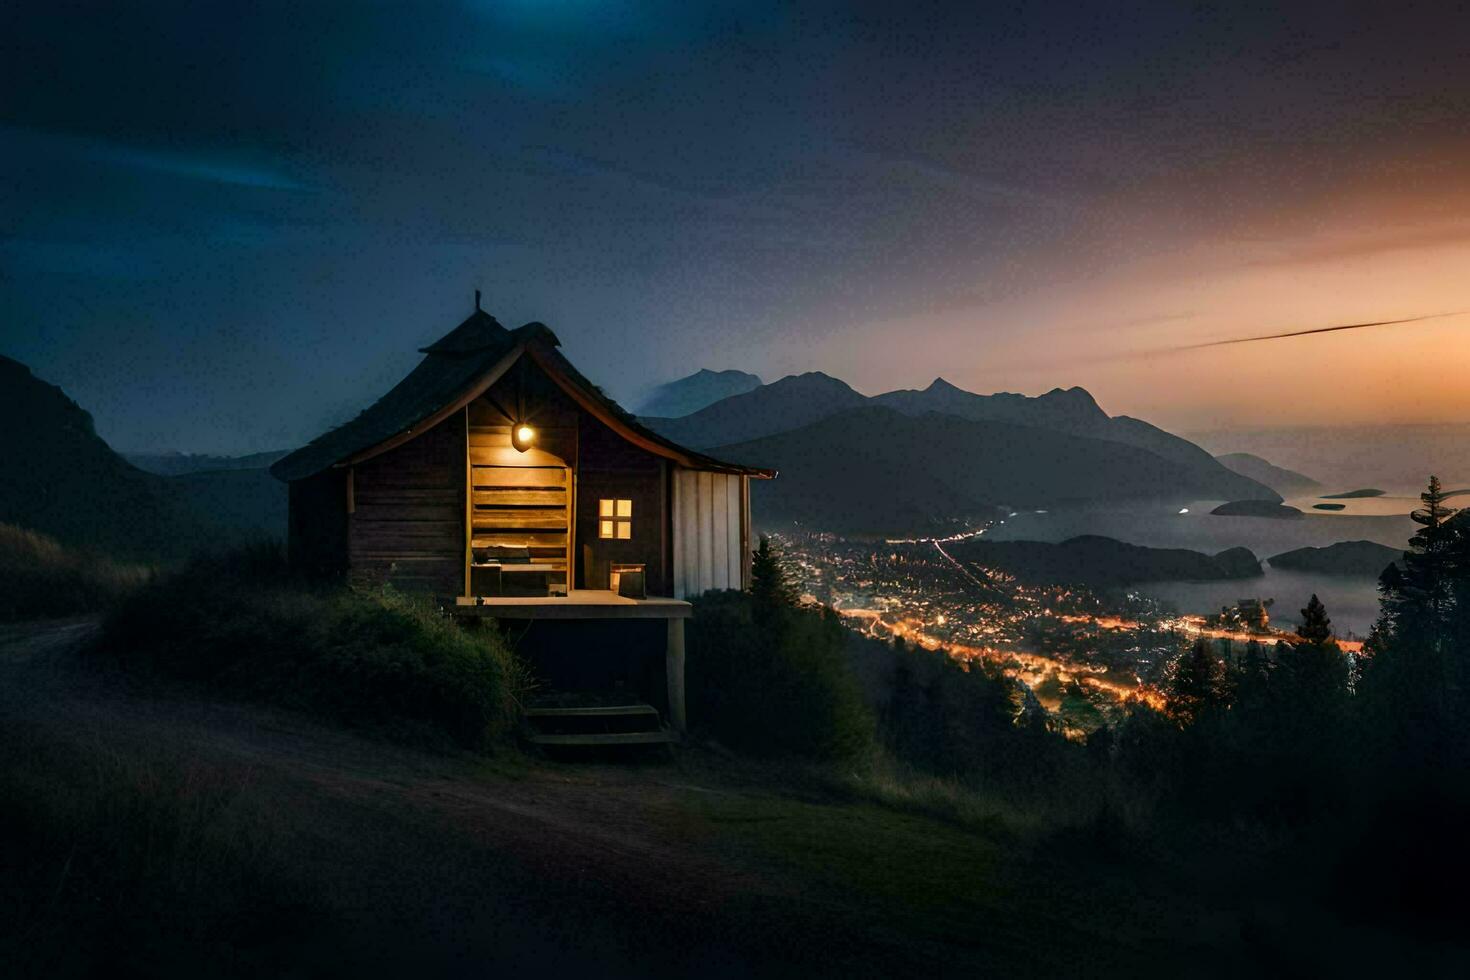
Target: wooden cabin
499, 478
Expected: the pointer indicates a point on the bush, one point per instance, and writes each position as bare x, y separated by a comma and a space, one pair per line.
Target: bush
241, 623
774, 682
40, 578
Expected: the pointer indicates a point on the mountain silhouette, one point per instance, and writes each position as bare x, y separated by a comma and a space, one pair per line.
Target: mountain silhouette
689, 394
63, 479
794, 401
801, 400
872, 469
178, 464
1288, 483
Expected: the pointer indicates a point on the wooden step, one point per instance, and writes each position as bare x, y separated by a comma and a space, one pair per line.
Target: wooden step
591, 711
661, 737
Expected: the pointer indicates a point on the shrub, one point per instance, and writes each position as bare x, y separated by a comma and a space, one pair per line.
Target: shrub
774, 683
40, 578
241, 623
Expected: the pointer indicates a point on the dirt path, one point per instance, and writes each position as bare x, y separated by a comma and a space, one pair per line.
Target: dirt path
456, 865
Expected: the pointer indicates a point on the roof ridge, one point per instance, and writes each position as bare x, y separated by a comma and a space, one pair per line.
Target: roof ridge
478, 332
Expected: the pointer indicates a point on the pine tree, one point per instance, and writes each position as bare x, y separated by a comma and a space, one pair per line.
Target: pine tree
1431, 518
1314, 672
1410, 672
1316, 628
1197, 686
770, 588
1420, 601
1252, 678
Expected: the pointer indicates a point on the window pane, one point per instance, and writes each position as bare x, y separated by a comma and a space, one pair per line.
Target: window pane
604, 508
604, 529
625, 529
625, 508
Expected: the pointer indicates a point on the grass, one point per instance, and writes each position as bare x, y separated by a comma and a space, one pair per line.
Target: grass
42, 579
240, 624
139, 865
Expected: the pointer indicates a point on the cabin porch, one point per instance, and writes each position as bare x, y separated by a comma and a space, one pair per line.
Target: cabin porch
596, 654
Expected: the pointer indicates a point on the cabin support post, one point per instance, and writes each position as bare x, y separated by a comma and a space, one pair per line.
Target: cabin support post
674, 669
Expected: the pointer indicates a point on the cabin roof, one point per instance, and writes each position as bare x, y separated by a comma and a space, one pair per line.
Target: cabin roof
456, 369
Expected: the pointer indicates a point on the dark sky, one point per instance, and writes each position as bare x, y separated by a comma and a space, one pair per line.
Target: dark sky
225, 226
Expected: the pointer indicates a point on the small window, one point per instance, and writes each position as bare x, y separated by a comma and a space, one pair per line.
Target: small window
615, 519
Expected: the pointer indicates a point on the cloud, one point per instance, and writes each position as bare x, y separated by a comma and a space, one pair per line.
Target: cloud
1360, 247
197, 167
963, 183
1314, 330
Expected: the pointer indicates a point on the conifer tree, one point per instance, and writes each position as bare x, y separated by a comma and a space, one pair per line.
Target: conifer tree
1198, 685
1316, 628
1412, 662
770, 588
1314, 672
1252, 678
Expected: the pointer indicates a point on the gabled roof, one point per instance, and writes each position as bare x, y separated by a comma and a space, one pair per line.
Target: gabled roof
458, 368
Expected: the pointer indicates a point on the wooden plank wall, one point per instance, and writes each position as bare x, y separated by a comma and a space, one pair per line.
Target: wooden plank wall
610, 467
407, 524
709, 532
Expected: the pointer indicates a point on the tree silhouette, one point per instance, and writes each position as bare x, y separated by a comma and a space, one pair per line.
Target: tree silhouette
1252, 680
1198, 685
1414, 671
770, 587
1316, 627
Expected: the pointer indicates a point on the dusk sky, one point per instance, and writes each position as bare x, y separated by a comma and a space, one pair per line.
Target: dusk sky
226, 226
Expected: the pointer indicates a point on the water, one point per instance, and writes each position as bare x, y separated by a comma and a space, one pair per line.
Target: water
1386, 506
1396, 458
1351, 602
1160, 526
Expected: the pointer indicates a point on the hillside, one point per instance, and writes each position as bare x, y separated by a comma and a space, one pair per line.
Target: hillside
194, 829
68, 483
1363, 559
1101, 562
675, 399
1288, 483
874, 470
803, 399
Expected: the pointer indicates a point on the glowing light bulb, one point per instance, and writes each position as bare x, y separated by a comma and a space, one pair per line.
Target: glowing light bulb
523, 437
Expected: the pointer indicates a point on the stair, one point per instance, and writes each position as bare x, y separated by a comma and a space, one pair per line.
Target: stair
590, 719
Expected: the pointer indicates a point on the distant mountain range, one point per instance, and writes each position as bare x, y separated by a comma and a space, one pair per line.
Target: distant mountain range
909, 460
1102, 562
63, 479
179, 464
690, 394
1288, 483
900, 462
